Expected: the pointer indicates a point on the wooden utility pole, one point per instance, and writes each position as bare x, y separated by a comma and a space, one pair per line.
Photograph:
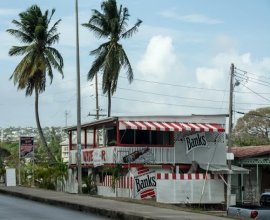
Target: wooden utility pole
97, 102
66, 115
229, 180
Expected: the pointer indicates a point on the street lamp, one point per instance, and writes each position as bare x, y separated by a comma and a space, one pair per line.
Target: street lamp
79, 146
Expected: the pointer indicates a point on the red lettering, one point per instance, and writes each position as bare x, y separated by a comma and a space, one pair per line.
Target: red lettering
88, 156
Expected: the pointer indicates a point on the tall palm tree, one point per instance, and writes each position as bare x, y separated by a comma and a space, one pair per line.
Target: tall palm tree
110, 56
39, 57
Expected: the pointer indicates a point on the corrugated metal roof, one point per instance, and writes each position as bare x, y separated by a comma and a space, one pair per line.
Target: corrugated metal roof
250, 151
223, 169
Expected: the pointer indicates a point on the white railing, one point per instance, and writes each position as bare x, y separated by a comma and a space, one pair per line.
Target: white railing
111, 155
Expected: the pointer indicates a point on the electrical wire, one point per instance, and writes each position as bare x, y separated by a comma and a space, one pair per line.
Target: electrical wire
256, 93
247, 72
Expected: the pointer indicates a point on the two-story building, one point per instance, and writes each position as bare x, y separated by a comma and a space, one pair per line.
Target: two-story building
175, 159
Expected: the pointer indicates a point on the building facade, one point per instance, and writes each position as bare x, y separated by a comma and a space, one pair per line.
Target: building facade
256, 159
174, 159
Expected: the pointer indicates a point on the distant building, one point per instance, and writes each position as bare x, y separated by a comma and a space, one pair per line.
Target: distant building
256, 159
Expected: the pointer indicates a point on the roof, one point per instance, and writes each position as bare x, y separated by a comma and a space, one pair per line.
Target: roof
169, 126
223, 169
203, 119
250, 151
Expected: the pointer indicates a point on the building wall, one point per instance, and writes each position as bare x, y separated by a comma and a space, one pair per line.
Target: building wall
65, 154
190, 189
213, 153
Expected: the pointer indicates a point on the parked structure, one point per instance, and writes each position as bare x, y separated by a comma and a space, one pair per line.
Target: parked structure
175, 159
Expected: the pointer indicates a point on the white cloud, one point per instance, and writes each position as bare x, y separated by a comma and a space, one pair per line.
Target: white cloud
216, 76
191, 18
209, 77
159, 59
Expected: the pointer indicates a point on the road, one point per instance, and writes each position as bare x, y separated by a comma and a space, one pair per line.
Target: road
13, 208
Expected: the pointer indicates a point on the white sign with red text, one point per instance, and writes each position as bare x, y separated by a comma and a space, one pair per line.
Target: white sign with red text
145, 184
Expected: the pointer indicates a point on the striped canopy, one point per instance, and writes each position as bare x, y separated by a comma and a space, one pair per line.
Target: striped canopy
169, 126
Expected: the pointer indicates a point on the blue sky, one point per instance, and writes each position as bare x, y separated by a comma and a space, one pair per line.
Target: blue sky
181, 59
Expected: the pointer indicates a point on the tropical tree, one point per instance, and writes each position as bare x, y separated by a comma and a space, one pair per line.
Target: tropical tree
253, 128
39, 57
110, 57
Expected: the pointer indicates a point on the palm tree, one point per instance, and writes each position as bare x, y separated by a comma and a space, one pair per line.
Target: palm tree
110, 56
39, 57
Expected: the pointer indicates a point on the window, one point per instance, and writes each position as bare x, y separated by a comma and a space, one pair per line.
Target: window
127, 136
145, 137
111, 136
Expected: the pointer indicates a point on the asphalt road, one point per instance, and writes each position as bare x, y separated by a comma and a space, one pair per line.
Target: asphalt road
13, 208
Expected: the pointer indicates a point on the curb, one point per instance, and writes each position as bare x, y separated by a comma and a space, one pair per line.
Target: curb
78, 207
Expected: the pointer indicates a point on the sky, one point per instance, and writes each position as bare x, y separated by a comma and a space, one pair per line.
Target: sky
181, 58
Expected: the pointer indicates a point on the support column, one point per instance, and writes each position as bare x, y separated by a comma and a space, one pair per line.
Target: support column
242, 185
257, 181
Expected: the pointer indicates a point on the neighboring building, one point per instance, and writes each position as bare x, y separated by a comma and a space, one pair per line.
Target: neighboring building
65, 151
257, 159
175, 159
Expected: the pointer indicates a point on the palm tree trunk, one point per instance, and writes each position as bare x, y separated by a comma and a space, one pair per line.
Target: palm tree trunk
41, 135
109, 102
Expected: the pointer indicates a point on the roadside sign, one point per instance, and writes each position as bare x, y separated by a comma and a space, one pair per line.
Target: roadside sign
26, 147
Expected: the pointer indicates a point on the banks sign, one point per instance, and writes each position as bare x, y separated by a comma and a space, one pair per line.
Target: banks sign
194, 141
145, 185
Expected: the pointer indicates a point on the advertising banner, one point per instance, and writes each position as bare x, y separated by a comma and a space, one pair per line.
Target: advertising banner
195, 140
145, 184
26, 147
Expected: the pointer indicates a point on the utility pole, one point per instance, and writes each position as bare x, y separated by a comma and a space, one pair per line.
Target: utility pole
79, 145
97, 103
66, 114
229, 163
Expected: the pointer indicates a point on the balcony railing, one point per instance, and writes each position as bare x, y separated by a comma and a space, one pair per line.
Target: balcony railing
112, 155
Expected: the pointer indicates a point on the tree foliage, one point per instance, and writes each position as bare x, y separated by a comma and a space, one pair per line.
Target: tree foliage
39, 57
253, 128
110, 56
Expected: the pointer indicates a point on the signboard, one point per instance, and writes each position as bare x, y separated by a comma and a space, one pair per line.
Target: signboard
26, 147
194, 141
10, 177
97, 157
140, 156
145, 184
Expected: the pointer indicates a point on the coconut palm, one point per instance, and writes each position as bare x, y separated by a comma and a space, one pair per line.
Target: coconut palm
110, 56
39, 57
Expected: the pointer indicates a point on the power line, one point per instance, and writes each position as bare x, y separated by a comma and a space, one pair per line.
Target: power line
162, 103
247, 72
254, 80
170, 96
256, 93
176, 85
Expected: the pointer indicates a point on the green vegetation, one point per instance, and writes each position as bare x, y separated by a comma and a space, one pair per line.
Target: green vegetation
253, 128
110, 56
89, 185
38, 171
39, 57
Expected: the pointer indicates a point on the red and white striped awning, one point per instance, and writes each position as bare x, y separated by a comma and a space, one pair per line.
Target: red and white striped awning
169, 126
